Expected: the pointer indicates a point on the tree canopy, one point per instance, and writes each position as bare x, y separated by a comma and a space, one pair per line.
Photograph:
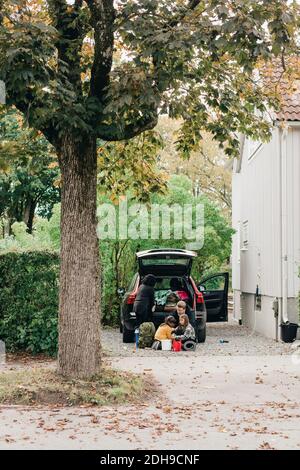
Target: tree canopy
193, 59
29, 180
208, 167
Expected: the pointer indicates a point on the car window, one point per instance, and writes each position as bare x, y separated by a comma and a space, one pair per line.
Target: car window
164, 283
165, 261
215, 283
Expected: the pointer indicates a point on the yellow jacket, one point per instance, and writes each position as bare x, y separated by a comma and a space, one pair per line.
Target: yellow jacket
163, 332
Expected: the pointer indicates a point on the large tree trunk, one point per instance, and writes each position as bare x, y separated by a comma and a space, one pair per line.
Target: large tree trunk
79, 299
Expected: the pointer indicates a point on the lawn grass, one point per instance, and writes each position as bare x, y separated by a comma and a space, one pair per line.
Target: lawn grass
36, 386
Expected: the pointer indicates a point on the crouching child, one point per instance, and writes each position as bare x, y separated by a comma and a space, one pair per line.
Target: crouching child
164, 331
186, 333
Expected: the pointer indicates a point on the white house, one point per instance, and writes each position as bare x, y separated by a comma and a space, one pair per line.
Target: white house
266, 217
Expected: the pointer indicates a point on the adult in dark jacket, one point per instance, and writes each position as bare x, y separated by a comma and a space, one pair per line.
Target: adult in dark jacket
144, 300
183, 308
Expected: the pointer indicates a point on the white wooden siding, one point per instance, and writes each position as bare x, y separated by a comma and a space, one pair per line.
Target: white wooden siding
293, 215
259, 203
256, 198
236, 253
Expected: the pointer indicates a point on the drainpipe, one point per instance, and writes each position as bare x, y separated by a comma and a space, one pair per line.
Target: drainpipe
283, 222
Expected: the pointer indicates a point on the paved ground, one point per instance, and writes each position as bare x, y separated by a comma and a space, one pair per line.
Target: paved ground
244, 394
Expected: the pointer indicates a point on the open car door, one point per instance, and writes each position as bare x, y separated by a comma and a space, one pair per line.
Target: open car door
215, 292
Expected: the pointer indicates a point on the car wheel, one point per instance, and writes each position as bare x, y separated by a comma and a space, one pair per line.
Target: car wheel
128, 335
201, 335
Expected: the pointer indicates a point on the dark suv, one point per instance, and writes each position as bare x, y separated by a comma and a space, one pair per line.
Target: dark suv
207, 300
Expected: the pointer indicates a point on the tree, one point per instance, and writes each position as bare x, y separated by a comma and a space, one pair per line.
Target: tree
192, 58
30, 175
208, 167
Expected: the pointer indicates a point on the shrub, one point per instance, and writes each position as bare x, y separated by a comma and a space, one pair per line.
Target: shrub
29, 301
45, 236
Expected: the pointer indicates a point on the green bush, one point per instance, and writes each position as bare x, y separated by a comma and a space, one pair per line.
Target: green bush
29, 301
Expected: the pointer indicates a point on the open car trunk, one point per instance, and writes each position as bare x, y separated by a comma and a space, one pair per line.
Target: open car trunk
168, 262
161, 291
162, 288
165, 265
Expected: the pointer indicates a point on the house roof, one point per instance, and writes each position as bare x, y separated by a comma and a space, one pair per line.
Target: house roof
290, 110
285, 80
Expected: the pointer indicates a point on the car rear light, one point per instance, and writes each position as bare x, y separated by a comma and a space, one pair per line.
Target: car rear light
199, 298
198, 295
131, 298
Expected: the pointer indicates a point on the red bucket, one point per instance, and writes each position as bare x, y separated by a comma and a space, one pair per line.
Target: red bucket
177, 345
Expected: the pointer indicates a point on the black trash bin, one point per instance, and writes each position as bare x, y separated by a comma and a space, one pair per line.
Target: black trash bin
288, 332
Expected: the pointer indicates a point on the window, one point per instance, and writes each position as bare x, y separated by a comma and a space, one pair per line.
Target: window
168, 260
245, 234
215, 283
163, 283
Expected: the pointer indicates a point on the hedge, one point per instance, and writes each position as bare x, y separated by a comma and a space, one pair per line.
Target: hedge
29, 301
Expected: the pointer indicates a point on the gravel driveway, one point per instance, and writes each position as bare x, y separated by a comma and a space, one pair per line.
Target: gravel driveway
242, 342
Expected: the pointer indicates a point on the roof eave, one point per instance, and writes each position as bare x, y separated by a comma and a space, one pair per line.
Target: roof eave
293, 123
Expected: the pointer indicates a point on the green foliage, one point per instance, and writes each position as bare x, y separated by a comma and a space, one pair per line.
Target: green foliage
208, 167
118, 266
29, 301
29, 182
131, 164
45, 236
189, 58
203, 55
